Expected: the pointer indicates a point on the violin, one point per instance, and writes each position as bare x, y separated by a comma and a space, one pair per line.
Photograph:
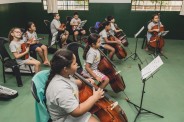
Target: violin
105, 109
23, 49
108, 68
63, 26
121, 36
119, 50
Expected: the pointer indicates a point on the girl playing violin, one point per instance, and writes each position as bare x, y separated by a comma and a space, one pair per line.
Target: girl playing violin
154, 21
35, 45
62, 98
105, 43
92, 59
15, 36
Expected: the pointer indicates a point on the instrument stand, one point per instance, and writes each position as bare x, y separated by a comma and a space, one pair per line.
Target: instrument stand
146, 75
135, 53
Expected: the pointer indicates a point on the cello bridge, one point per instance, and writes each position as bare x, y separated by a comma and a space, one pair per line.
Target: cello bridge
113, 105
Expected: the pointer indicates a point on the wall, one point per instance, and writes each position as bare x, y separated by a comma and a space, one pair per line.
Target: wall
17, 14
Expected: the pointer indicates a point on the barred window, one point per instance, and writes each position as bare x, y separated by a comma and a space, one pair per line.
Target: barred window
156, 5
70, 4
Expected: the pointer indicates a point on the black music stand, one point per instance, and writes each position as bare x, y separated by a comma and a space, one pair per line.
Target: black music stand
157, 51
147, 72
135, 52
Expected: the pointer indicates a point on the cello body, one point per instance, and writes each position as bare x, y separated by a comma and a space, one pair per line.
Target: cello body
116, 80
157, 41
119, 50
103, 108
23, 48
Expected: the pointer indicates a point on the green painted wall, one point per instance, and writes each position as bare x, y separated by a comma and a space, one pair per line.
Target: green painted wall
17, 14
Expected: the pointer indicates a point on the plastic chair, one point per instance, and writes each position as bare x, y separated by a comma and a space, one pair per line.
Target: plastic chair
37, 90
8, 62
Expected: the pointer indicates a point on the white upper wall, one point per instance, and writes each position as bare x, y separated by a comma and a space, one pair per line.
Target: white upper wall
18, 1
91, 1
110, 1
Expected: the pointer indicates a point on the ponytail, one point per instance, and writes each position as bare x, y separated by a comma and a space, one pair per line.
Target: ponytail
62, 58
92, 39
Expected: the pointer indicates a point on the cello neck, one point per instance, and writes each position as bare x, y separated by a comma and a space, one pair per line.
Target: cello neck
106, 57
89, 84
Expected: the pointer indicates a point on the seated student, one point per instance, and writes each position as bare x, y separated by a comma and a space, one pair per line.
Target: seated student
74, 23
55, 26
62, 95
113, 30
154, 22
105, 43
92, 59
15, 38
35, 45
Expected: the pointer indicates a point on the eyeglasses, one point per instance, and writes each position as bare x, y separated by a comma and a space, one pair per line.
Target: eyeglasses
17, 31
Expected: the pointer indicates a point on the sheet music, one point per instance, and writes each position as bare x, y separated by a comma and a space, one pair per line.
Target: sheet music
81, 24
151, 67
163, 33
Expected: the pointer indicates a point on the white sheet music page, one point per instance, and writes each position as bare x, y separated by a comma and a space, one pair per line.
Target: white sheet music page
151, 67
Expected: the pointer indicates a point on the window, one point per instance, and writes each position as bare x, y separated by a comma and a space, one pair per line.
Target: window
156, 5
70, 4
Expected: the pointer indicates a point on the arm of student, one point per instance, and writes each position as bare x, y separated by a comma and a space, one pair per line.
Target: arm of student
90, 71
16, 55
88, 104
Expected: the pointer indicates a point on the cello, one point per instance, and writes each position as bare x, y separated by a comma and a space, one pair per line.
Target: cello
121, 36
157, 41
104, 109
119, 50
108, 68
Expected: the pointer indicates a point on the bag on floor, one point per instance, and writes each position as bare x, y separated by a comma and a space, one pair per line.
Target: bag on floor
7, 93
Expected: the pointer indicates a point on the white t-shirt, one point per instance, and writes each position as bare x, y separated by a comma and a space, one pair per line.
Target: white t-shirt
16, 47
62, 98
54, 25
103, 34
150, 26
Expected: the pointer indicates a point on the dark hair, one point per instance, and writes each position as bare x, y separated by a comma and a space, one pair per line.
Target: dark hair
92, 39
109, 18
54, 14
75, 13
104, 24
62, 58
154, 16
29, 25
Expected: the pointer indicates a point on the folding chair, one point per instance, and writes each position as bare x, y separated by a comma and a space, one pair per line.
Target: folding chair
9, 63
74, 47
37, 89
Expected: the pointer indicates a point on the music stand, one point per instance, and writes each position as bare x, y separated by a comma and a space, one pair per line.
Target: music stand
135, 52
81, 25
146, 73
